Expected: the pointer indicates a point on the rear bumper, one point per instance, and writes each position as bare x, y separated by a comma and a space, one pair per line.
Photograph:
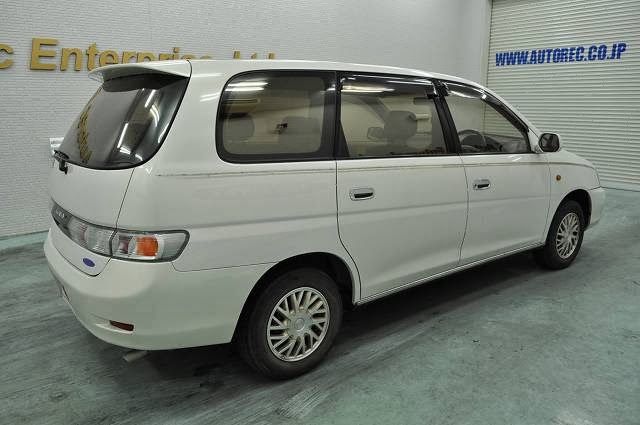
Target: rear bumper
169, 309
597, 196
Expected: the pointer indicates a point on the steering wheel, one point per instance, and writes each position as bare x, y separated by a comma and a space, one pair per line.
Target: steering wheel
477, 137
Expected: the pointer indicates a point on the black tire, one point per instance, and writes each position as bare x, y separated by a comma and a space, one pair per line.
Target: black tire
252, 340
548, 255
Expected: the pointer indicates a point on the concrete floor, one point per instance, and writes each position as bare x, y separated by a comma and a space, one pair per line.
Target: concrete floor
506, 343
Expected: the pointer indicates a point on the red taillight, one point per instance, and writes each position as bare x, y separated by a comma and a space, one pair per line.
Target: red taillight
120, 325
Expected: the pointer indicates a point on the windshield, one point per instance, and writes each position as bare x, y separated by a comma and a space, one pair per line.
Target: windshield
124, 122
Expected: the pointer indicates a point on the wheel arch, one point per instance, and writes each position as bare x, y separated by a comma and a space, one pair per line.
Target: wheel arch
582, 197
331, 264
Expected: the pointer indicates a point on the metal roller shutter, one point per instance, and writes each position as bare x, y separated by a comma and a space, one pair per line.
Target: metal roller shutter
593, 103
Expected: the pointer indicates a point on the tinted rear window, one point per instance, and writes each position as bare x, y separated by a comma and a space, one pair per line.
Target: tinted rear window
125, 121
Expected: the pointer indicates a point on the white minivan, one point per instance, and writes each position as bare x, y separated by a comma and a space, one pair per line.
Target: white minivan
204, 202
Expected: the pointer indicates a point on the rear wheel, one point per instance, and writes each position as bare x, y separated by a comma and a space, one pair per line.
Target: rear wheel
564, 238
292, 324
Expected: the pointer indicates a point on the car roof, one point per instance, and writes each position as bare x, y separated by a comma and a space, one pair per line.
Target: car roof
201, 67
228, 68
206, 65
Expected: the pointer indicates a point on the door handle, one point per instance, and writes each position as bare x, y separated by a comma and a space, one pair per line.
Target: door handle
481, 184
361, 193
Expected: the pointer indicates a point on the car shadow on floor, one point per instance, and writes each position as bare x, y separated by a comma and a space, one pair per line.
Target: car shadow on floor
434, 298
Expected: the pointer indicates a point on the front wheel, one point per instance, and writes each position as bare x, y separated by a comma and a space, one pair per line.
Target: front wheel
564, 238
292, 325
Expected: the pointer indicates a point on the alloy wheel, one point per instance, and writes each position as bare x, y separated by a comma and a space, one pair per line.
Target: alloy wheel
568, 235
298, 324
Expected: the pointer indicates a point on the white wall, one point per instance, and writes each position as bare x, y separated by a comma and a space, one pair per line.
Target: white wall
449, 36
594, 104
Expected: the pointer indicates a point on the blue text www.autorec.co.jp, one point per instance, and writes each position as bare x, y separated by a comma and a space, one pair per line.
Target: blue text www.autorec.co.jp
594, 52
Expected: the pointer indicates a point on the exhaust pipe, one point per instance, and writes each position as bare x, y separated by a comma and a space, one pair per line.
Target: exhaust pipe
134, 355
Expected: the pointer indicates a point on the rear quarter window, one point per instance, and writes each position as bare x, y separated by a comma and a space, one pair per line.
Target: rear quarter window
276, 116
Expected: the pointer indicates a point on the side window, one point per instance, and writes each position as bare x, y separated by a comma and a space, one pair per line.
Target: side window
481, 127
277, 116
385, 117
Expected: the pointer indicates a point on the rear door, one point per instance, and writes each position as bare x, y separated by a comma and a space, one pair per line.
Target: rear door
121, 127
401, 189
508, 183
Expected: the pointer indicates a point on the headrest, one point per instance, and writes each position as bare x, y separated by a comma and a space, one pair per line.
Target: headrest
238, 128
400, 125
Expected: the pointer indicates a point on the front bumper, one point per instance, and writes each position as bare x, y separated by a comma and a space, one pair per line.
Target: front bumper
169, 309
597, 196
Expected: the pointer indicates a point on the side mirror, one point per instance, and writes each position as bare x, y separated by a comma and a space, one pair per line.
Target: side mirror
375, 133
549, 142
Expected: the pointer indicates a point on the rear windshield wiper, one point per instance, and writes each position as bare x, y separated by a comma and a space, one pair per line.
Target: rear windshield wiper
62, 160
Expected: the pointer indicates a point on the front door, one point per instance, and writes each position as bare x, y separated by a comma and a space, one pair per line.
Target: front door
401, 189
508, 184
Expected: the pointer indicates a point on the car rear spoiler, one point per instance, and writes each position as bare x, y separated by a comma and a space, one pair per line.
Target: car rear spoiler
177, 67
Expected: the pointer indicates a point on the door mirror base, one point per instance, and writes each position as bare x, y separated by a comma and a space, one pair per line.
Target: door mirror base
548, 142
